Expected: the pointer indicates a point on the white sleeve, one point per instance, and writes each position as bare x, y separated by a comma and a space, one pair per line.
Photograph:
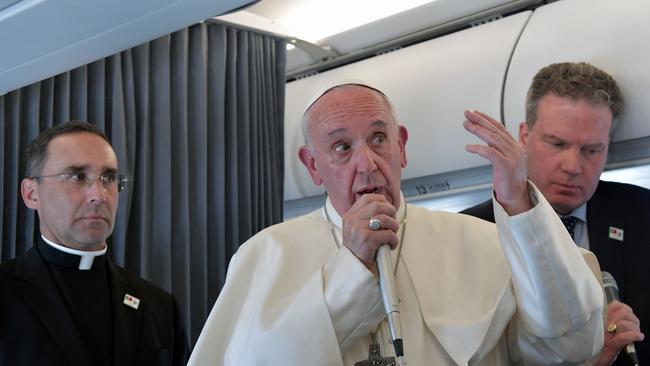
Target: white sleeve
353, 297
559, 300
261, 317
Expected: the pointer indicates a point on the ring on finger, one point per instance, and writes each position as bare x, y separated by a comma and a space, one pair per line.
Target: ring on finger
612, 328
374, 224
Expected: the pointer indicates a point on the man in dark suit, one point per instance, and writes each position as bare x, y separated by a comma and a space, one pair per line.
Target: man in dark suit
571, 112
63, 302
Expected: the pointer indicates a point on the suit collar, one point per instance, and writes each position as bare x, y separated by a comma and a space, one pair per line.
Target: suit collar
603, 212
580, 212
39, 290
42, 295
126, 320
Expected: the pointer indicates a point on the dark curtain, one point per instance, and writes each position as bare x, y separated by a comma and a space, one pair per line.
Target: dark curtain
196, 120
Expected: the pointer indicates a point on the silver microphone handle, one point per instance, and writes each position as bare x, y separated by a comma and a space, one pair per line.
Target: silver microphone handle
389, 296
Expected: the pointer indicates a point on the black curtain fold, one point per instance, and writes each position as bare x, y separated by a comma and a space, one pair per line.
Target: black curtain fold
196, 120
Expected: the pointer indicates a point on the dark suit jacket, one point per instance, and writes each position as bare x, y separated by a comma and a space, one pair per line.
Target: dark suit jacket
37, 328
625, 207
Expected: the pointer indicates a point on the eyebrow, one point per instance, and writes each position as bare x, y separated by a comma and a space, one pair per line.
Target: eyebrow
338, 131
81, 168
556, 138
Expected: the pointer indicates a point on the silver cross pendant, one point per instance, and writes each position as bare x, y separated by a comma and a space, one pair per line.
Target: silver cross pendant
374, 355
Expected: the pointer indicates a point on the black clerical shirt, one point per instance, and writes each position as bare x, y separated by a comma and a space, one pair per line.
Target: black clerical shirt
87, 295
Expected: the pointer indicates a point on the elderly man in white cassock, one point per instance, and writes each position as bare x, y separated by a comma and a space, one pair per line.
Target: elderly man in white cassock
306, 291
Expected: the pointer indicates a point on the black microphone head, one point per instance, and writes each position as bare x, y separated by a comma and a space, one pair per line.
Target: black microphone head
608, 280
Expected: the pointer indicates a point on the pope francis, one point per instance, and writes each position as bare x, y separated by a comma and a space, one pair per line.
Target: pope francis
306, 292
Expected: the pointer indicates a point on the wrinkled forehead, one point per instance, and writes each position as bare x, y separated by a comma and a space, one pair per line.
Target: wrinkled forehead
350, 102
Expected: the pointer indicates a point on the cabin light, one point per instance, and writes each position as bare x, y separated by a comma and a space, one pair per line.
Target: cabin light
290, 46
314, 20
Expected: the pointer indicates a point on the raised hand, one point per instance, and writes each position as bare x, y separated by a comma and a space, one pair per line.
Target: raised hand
508, 158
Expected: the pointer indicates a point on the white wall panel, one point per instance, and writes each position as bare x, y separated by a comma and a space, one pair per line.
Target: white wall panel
430, 84
613, 35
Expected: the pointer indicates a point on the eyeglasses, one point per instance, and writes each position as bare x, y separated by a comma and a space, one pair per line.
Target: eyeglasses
110, 181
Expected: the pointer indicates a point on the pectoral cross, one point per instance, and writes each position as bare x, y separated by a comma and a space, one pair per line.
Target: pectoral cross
374, 355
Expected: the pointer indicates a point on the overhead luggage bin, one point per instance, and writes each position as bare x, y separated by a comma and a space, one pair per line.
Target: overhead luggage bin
612, 35
430, 85
42, 38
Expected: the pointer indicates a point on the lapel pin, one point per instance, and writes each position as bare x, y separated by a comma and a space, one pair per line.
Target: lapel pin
615, 233
131, 301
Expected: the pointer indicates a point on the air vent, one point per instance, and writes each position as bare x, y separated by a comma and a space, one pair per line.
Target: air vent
485, 20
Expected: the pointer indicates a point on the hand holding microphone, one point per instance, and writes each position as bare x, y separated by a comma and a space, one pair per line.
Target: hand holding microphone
359, 238
622, 325
369, 231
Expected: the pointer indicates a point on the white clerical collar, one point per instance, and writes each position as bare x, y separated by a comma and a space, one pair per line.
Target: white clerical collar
86, 258
580, 212
336, 218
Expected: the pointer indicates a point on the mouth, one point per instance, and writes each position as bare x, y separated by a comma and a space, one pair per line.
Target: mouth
374, 190
367, 190
568, 187
94, 218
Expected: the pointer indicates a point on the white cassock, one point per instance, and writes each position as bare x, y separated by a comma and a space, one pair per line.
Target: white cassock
292, 297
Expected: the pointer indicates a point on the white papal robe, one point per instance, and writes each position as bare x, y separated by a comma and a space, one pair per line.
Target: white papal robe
292, 297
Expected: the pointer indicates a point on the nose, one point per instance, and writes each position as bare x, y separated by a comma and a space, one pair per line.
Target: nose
96, 192
365, 159
572, 161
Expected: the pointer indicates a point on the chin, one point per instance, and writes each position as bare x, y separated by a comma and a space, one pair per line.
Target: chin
564, 207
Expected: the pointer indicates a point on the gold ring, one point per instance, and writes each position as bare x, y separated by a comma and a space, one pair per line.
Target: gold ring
612, 328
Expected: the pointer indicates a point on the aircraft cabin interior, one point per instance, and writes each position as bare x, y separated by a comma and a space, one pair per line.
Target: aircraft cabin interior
432, 58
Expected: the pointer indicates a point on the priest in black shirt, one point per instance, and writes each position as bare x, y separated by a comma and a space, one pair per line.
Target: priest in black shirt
64, 302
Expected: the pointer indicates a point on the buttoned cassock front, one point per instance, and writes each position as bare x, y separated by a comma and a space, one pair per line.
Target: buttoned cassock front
292, 297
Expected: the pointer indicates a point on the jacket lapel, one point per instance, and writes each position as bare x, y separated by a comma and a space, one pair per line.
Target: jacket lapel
127, 320
603, 213
42, 295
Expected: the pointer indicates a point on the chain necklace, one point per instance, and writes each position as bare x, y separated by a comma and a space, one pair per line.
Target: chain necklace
401, 240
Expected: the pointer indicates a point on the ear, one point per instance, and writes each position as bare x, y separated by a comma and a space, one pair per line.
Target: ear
29, 192
523, 134
402, 138
307, 159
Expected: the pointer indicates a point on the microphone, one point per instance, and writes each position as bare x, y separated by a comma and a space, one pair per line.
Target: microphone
389, 296
611, 292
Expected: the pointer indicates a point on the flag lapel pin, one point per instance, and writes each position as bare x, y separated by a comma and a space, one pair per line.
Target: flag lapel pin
616, 233
131, 301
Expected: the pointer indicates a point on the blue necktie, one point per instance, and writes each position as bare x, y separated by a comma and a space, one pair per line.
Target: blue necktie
570, 224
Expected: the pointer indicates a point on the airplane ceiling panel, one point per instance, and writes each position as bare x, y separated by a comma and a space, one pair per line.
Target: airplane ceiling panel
612, 35
41, 38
